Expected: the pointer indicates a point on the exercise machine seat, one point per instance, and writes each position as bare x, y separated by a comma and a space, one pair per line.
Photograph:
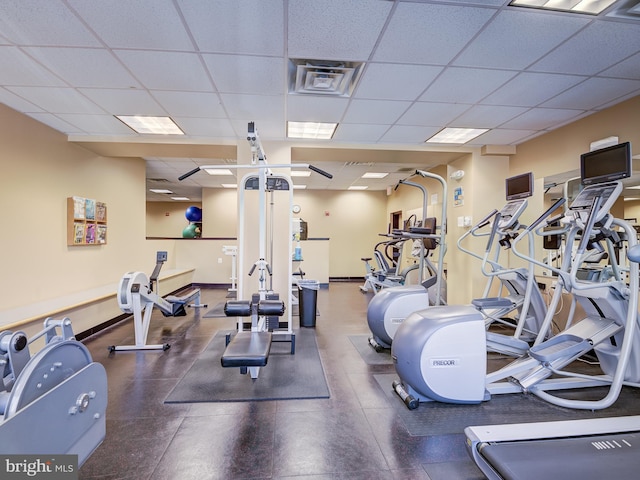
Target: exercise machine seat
247, 349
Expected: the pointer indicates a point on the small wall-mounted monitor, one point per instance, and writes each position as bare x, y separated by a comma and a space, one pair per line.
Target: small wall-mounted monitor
606, 164
520, 186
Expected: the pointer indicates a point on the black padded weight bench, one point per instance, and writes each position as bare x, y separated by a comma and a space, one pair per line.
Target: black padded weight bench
247, 349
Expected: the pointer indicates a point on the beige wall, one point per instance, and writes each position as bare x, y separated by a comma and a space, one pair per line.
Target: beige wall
37, 262
559, 151
351, 220
166, 219
38, 266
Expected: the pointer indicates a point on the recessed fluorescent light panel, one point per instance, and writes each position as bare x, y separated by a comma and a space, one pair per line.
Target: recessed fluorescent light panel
160, 190
320, 131
374, 175
218, 171
151, 125
299, 187
229, 185
357, 187
457, 135
593, 7
179, 198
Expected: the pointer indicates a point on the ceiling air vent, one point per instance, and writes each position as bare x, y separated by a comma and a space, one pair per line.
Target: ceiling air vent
322, 77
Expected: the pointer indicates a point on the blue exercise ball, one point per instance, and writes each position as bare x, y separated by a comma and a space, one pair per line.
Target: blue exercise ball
193, 214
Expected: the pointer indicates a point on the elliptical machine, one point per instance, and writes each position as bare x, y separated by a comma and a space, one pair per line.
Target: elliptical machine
389, 307
520, 304
440, 352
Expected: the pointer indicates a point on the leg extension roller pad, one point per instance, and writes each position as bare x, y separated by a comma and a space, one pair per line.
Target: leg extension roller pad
247, 349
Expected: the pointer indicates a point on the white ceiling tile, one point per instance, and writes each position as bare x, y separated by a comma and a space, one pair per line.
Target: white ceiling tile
596, 48
315, 108
143, 24
531, 89
515, 39
225, 27
17, 103
501, 136
432, 114
429, 33
465, 85
395, 81
629, 68
34, 22
98, 124
542, 119
167, 70
359, 133
56, 123
57, 100
375, 111
84, 67
335, 29
486, 116
408, 134
593, 93
247, 74
190, 104
253, 107
124, 102
205, 127
19, 69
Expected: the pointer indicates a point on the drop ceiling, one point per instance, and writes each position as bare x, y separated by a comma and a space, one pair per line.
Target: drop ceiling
213, 66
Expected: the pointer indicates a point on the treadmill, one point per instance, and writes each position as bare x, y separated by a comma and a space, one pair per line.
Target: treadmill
593, 449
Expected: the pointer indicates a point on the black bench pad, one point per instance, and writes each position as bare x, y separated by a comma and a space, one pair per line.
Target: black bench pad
247, 349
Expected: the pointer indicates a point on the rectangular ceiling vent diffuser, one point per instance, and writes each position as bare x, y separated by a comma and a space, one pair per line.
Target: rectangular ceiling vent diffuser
323, 77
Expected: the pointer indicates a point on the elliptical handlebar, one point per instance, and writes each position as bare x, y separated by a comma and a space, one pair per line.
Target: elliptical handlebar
485, 221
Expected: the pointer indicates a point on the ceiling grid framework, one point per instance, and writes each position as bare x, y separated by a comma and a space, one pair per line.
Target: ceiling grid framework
215, 66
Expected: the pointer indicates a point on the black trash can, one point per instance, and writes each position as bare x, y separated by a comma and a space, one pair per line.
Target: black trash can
307, 302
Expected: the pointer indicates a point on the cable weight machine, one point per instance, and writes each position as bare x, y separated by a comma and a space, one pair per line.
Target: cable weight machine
249, 348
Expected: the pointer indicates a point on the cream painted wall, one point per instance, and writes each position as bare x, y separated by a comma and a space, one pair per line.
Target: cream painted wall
166, 219
219, 217
559, 151
38, 265
37, 262
352, 220
483, 190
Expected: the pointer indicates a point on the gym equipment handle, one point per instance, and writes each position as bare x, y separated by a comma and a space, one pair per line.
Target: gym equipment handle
321, 172
188, 174
485, 221
548, 212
